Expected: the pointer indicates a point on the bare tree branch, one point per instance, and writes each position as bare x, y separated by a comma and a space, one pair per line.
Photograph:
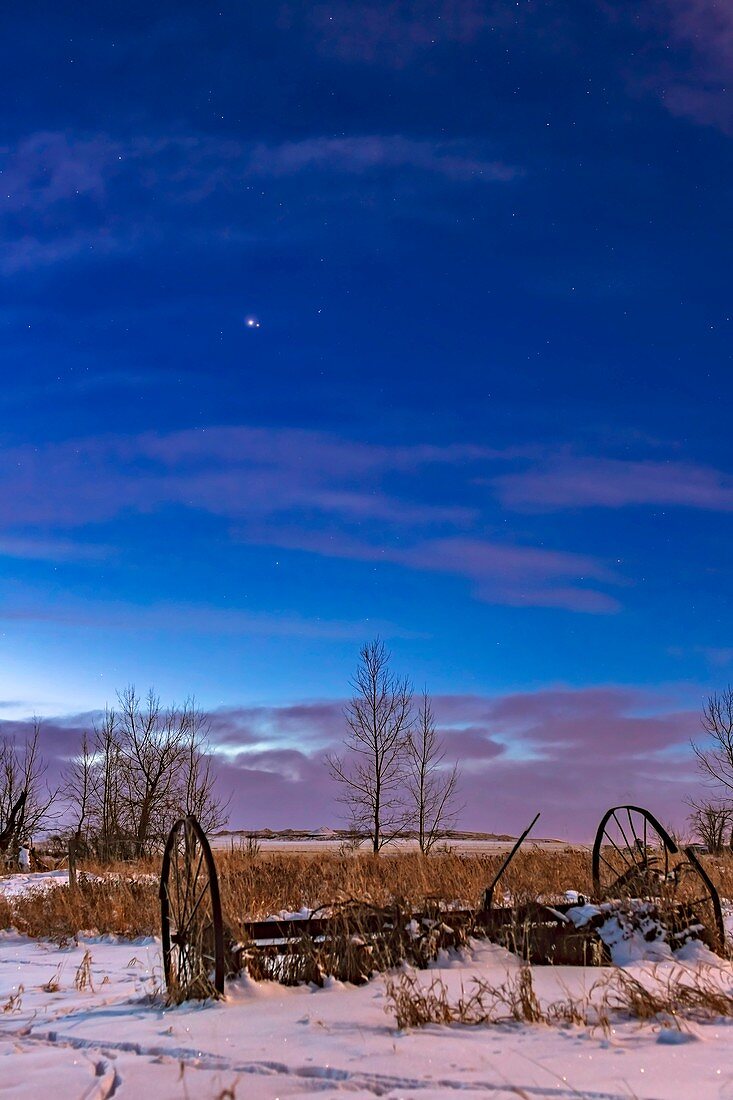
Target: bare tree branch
432, 787
372, 771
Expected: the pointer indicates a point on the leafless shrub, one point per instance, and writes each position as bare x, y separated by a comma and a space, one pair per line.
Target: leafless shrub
53, 985
83, 976
14, 1002
252, 846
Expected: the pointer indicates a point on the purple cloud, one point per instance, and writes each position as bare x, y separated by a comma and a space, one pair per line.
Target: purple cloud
79, 179
520, 576
700, 90
580, 482
568, 753
26, 605
297, 490
692, 76
369, 153
47, 168
394, 33
228, 471
49, 549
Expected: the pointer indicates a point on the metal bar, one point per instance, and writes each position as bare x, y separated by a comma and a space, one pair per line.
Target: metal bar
72, 864
297, 927
489, 894
631, 848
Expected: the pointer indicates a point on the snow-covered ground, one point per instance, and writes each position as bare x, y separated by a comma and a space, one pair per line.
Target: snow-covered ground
12, 886
115, 1037
87, 1020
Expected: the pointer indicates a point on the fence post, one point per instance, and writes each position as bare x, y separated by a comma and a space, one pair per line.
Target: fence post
72, 863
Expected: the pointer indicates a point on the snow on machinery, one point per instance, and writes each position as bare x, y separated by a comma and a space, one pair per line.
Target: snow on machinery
643, 883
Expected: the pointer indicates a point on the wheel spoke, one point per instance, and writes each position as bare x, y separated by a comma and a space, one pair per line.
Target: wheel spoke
192, 912
629, 847
630, 865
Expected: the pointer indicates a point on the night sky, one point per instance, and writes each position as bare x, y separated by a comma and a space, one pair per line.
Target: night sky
412, 319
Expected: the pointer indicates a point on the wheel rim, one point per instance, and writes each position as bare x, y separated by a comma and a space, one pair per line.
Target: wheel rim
635, 857
631, 854
191, 924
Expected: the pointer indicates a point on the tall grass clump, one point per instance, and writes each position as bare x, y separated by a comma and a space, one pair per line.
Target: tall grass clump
671, 998
125, 908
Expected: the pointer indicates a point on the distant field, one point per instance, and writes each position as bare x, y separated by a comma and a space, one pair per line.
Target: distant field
309, 844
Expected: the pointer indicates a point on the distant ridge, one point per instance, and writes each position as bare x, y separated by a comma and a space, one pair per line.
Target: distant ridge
325, 833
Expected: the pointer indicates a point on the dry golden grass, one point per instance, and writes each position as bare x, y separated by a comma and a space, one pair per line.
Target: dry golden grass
671, 998
125, 898
126, 908
255, 887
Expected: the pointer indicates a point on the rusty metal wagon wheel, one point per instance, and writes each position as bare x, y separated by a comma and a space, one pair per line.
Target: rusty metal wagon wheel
635, 857
631, 854
191, 921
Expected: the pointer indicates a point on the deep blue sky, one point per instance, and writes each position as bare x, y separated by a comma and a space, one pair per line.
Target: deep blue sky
484, 411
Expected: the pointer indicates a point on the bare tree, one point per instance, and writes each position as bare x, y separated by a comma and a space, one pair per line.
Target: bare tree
22, 768
431, 786
78, 787
372, 771
112, 828
712, 824
153, 741
199, 795
716, 759
146, 766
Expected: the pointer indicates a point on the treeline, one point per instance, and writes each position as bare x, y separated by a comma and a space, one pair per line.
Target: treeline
137, 770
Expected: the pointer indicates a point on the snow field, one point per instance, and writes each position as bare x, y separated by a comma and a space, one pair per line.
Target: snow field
117, 1038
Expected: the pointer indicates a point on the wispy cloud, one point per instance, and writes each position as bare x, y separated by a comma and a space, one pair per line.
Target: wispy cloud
574, 481
499, 572
394, 34
453, 160
233, 472
97, 186
692, 73
304, 491
178, 618
50, 549
50, 167
700, 87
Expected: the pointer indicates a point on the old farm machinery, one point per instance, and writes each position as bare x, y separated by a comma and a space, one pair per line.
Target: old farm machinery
641, 878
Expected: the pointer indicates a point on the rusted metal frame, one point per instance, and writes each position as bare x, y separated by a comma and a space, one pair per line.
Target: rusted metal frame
670, 848
712, 891
489, 892
296, 927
